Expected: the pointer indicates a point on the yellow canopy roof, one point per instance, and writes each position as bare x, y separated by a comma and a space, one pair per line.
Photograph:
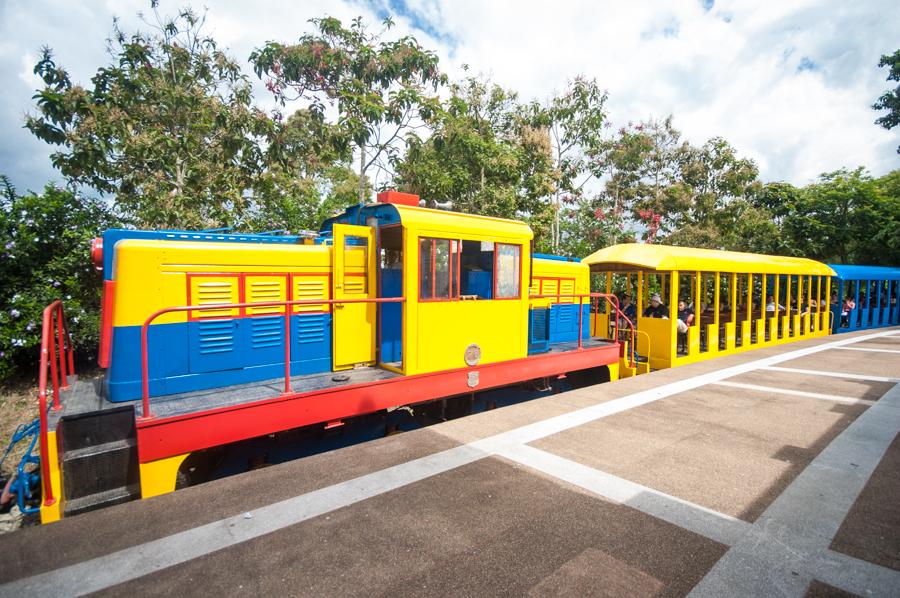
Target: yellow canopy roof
628, 257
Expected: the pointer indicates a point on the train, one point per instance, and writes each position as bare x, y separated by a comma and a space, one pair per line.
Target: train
213, 340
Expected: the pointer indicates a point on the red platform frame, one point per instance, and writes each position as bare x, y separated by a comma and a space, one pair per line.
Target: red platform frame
162, 437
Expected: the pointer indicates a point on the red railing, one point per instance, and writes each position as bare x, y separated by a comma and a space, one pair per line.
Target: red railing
145, 366
57, 353
614, 304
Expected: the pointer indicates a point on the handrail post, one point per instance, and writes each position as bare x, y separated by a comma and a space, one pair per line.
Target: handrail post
49, 500
580, 317
63, 374
54, 372
287, 350
145, 373
46, 343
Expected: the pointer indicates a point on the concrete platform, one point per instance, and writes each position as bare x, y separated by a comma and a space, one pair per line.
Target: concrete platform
773, 472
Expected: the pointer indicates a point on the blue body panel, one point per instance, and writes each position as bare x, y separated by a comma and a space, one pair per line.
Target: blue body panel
556, 258
881, 288
556, 324
213, 353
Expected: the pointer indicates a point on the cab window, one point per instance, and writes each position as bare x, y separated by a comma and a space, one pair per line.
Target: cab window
508, 273
438, 267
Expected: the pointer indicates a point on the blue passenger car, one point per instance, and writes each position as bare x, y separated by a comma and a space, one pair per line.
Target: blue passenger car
864, 297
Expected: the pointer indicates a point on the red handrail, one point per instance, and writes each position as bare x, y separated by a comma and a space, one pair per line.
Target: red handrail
145, 367
610, 298
58, 354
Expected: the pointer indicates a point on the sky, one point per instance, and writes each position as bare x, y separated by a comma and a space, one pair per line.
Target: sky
788, 83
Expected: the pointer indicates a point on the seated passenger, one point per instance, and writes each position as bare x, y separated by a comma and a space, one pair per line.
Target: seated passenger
628, 309
685, 317
771, 306
846, 309
656, 309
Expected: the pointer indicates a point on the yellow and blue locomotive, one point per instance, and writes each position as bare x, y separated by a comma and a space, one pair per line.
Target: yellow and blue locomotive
210, 339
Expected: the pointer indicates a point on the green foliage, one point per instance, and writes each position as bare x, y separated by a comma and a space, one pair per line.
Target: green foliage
372, 81
168, 126
890, 100
485, 155
46, 256
576, 120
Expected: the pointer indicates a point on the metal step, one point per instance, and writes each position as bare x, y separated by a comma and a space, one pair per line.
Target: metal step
100, 500
100, 468
96, 427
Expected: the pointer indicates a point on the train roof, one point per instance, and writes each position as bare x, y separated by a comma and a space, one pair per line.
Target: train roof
846, 272
639, 256
432, 221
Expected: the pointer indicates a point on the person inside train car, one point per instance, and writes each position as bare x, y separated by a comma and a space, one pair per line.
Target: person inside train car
656, 309
846, 310
685, 316
770, 305
628, 309
685, 319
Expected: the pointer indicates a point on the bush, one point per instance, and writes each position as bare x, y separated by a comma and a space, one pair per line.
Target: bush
45, 243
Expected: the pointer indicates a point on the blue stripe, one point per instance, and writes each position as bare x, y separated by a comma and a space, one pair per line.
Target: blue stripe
214, 353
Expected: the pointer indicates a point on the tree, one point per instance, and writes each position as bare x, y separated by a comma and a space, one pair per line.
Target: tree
168, 126
576, 119
372, 82
890, 100
46, 256
844, 217
485, 155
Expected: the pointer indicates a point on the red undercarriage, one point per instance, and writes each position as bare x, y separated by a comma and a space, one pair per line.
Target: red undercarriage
165, 437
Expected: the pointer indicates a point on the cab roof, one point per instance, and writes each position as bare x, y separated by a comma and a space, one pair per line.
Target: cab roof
432, 221
628, 257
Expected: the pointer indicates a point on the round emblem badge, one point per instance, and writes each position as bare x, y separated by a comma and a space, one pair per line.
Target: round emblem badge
472, 355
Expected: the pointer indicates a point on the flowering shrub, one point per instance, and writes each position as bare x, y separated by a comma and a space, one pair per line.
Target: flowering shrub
45, 251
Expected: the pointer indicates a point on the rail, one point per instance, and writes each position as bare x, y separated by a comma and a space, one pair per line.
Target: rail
614, 304
58, 355
145, 366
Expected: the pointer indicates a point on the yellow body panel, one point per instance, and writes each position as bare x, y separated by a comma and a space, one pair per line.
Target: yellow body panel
550, 277
437, 333
51, 513
151, 275
447, 328
159, 477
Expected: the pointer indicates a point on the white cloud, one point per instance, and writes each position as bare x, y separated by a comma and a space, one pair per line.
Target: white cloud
732, 71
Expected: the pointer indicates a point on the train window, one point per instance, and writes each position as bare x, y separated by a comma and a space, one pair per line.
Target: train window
477, 270
438, 269
508, 271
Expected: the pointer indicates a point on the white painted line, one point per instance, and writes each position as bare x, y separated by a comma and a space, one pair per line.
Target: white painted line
789, 541
868, 349
796, 393
847, 375
711, 524
143, 559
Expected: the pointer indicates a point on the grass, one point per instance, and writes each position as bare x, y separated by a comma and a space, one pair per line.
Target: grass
18, 405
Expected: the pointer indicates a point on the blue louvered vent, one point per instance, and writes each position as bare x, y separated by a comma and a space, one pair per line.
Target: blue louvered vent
266, 332
311, 328
539, 324
566, 317
216, 336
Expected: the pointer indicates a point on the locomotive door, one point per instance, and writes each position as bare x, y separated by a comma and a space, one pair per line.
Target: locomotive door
353, 277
